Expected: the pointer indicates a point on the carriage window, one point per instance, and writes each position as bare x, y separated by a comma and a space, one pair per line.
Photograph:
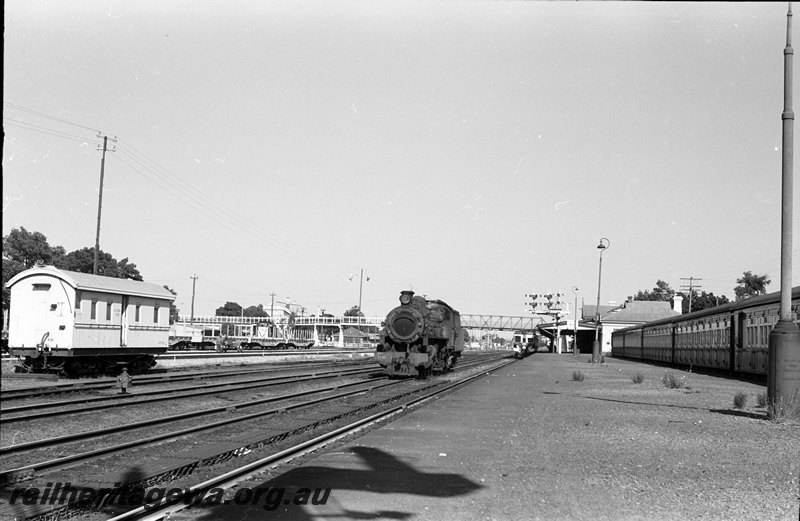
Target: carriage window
138, 312
41, 287
155, 315
108, 310
94, 309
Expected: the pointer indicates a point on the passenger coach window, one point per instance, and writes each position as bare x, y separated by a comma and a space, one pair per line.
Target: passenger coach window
41, 287
138, 312
108, 310
94, 309
155, 315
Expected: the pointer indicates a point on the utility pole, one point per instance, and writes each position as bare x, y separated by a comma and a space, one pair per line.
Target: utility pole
272, 312
194, 282
360, 286
691, 287
100, 205
783, 368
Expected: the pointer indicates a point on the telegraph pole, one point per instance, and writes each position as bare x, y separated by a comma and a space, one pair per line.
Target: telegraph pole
691, 288
783, 373
100, 205
360, 286
194, 281
272, 312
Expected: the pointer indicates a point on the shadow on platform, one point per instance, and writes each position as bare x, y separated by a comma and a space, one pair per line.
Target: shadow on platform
385, 475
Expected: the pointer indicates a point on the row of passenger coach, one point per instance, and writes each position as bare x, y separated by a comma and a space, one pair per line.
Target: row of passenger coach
80, 323
733, 337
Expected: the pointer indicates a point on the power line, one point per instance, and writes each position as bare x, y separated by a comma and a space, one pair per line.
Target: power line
46, 116
45, 130
225, 216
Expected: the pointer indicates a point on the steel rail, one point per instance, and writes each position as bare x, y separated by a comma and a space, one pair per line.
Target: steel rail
167, 394
174, 376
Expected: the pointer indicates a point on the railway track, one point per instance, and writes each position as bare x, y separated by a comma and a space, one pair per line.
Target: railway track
387, 398
374, 392
28, 412
152, 379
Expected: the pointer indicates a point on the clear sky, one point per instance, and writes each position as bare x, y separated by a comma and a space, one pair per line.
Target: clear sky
471, 151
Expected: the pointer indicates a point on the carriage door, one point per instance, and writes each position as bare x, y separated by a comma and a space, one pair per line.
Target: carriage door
45, 313
737, 341
123, 322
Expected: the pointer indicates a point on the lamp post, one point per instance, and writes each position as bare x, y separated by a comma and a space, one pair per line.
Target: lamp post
575, 325
783, 369
596, 344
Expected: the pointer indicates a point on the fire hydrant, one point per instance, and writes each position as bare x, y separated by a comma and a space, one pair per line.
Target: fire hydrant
123, 381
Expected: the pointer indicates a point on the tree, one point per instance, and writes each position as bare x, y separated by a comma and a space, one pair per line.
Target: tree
30, 248
354, 311
23, 250
662, 292
230, 309
255, 311
82, 261
174, 312
702, 300
708, 300
10, 269
750, 285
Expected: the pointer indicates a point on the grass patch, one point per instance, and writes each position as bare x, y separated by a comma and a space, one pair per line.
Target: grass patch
577, 376
673, 382
638, 378
784, 408
761, 399
739, 400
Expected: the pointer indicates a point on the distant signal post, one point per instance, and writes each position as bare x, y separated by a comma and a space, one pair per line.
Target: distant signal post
548, 304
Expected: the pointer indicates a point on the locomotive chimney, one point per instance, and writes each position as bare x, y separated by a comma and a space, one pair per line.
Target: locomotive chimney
405, 296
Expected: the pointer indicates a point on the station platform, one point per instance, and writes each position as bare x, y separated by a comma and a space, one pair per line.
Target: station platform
535, 441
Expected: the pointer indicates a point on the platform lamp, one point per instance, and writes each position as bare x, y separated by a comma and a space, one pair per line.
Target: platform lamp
596, 344
783, 369
575, 325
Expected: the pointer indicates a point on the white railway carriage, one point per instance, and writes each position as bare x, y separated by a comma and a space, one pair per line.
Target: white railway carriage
79, 323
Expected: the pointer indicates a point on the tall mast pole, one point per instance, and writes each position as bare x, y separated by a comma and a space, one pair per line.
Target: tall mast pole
100, 206
783, 374
360, 286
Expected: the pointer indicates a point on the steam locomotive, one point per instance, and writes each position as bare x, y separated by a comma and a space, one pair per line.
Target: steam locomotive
420, 337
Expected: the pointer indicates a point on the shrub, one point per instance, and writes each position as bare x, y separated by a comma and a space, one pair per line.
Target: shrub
739, 400
577, 376
672, 381
761, 399
638, 378
784, 408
